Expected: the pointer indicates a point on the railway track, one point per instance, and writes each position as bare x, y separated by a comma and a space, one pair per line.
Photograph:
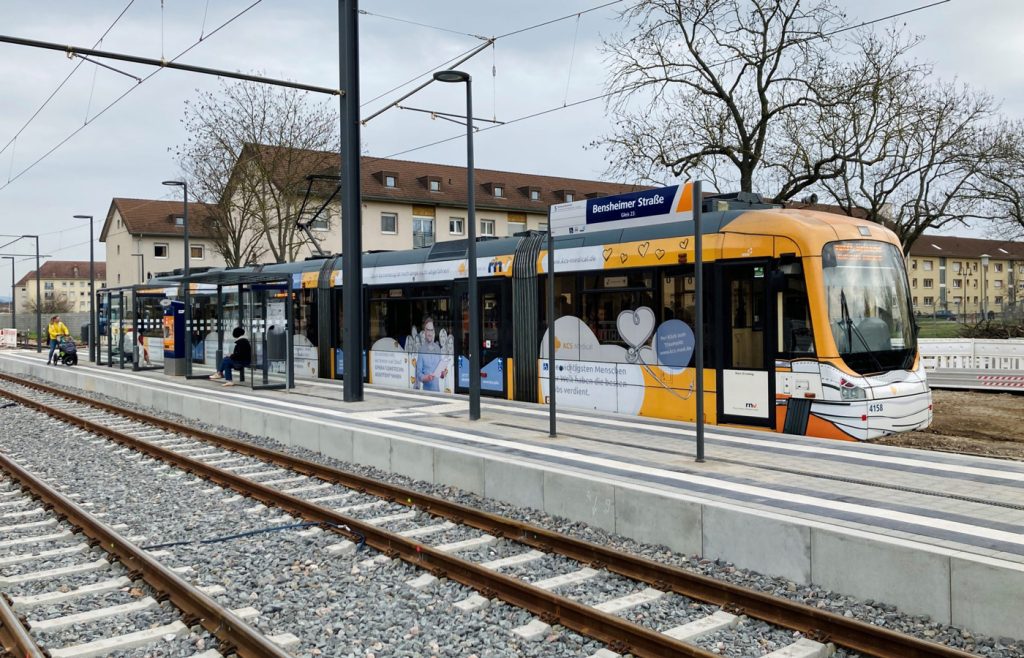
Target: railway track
440, 537
126, 581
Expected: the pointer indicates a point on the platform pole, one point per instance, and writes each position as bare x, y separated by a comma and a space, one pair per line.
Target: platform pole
698, 250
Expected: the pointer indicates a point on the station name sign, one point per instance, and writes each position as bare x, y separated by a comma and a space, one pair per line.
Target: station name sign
644, 208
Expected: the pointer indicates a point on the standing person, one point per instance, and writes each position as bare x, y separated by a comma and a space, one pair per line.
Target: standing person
429, 369
56, 330
240, 357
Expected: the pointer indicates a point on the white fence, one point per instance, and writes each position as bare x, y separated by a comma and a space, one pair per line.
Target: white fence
972, 353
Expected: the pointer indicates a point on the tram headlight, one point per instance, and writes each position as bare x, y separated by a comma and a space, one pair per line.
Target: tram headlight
853, 393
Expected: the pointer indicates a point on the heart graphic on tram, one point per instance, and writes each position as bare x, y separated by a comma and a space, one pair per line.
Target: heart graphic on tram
635, 327
660, 253
642, 249
623, 256
607, 253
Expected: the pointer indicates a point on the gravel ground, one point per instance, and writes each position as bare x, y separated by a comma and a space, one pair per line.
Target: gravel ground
334, 605
874, 612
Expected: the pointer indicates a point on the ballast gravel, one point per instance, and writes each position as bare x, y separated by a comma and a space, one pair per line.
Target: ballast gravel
335, 606
869, 611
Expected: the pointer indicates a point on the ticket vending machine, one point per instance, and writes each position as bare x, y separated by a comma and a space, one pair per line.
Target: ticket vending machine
175, 351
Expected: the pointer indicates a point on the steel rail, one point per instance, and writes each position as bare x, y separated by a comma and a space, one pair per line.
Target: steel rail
13, 634
812, 622
612, 630
234, 633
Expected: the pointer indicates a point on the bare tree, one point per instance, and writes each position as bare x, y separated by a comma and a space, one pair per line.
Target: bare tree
247, 153
1000, 186
718, 75
55, 306
920, 169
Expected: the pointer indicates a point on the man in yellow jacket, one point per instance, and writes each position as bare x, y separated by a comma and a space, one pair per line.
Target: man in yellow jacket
56, 330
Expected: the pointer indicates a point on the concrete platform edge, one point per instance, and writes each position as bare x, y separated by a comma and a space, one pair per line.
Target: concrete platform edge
966, 590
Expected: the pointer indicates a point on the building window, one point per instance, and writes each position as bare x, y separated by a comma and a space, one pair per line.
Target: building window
390, 181
422, 232
543, 226
999, 300
997, 284
487, 227
198, 251
956, 283
929, 301
927, 265
159, 250
569, 197
499, 190
913, 264
322, 221
958, 300
534, 195
928, 283
915, 301
435, 185
456, 225
389, 223
516, 227
998, 266
956, 268
48, 285
913, 283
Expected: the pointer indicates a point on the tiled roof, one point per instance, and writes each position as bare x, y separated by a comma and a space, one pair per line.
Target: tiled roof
65, 270
414, 178
157, 217
950, 246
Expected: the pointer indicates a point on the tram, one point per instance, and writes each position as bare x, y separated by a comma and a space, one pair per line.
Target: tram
807, 321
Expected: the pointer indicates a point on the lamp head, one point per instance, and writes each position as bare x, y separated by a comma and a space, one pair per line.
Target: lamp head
83, 216
984, 259
174, 183
451, 76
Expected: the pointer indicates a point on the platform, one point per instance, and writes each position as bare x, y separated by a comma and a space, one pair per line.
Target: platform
933, 533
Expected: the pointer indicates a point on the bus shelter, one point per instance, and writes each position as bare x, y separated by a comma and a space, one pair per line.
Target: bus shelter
130, 331
259, 302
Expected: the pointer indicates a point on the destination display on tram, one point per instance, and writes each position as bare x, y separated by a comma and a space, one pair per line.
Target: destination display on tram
644, 208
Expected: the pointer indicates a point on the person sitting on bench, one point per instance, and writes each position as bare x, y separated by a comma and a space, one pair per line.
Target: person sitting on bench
240, 358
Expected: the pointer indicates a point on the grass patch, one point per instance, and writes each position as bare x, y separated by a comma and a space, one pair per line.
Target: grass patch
938, 328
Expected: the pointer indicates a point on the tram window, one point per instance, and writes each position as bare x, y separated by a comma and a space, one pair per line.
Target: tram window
305, 308
601, 311
398, 317
795, 335
678, 298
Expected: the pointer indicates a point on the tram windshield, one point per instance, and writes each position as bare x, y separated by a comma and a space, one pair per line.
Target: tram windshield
869, 305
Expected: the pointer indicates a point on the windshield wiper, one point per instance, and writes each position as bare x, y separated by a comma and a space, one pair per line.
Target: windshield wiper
851, 330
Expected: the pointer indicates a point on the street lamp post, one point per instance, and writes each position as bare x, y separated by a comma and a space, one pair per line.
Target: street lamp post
185, 296
92, 292
14, 306
39, 300
474, 302
984, 284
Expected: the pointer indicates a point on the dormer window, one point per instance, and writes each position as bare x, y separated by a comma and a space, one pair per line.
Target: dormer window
569, 197
390, 180
534, 195
434, 184
179, 220
498, 190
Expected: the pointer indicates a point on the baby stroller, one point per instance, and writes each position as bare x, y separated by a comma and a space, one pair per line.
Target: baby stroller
67, 353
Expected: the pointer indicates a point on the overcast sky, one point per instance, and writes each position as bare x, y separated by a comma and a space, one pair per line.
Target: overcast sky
125, 151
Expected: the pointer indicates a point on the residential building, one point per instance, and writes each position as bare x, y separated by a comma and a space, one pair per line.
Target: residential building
60, 280
407, 205
145, 237
947, 273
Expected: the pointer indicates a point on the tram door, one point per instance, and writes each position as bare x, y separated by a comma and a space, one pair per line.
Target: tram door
746, 379
495, 337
